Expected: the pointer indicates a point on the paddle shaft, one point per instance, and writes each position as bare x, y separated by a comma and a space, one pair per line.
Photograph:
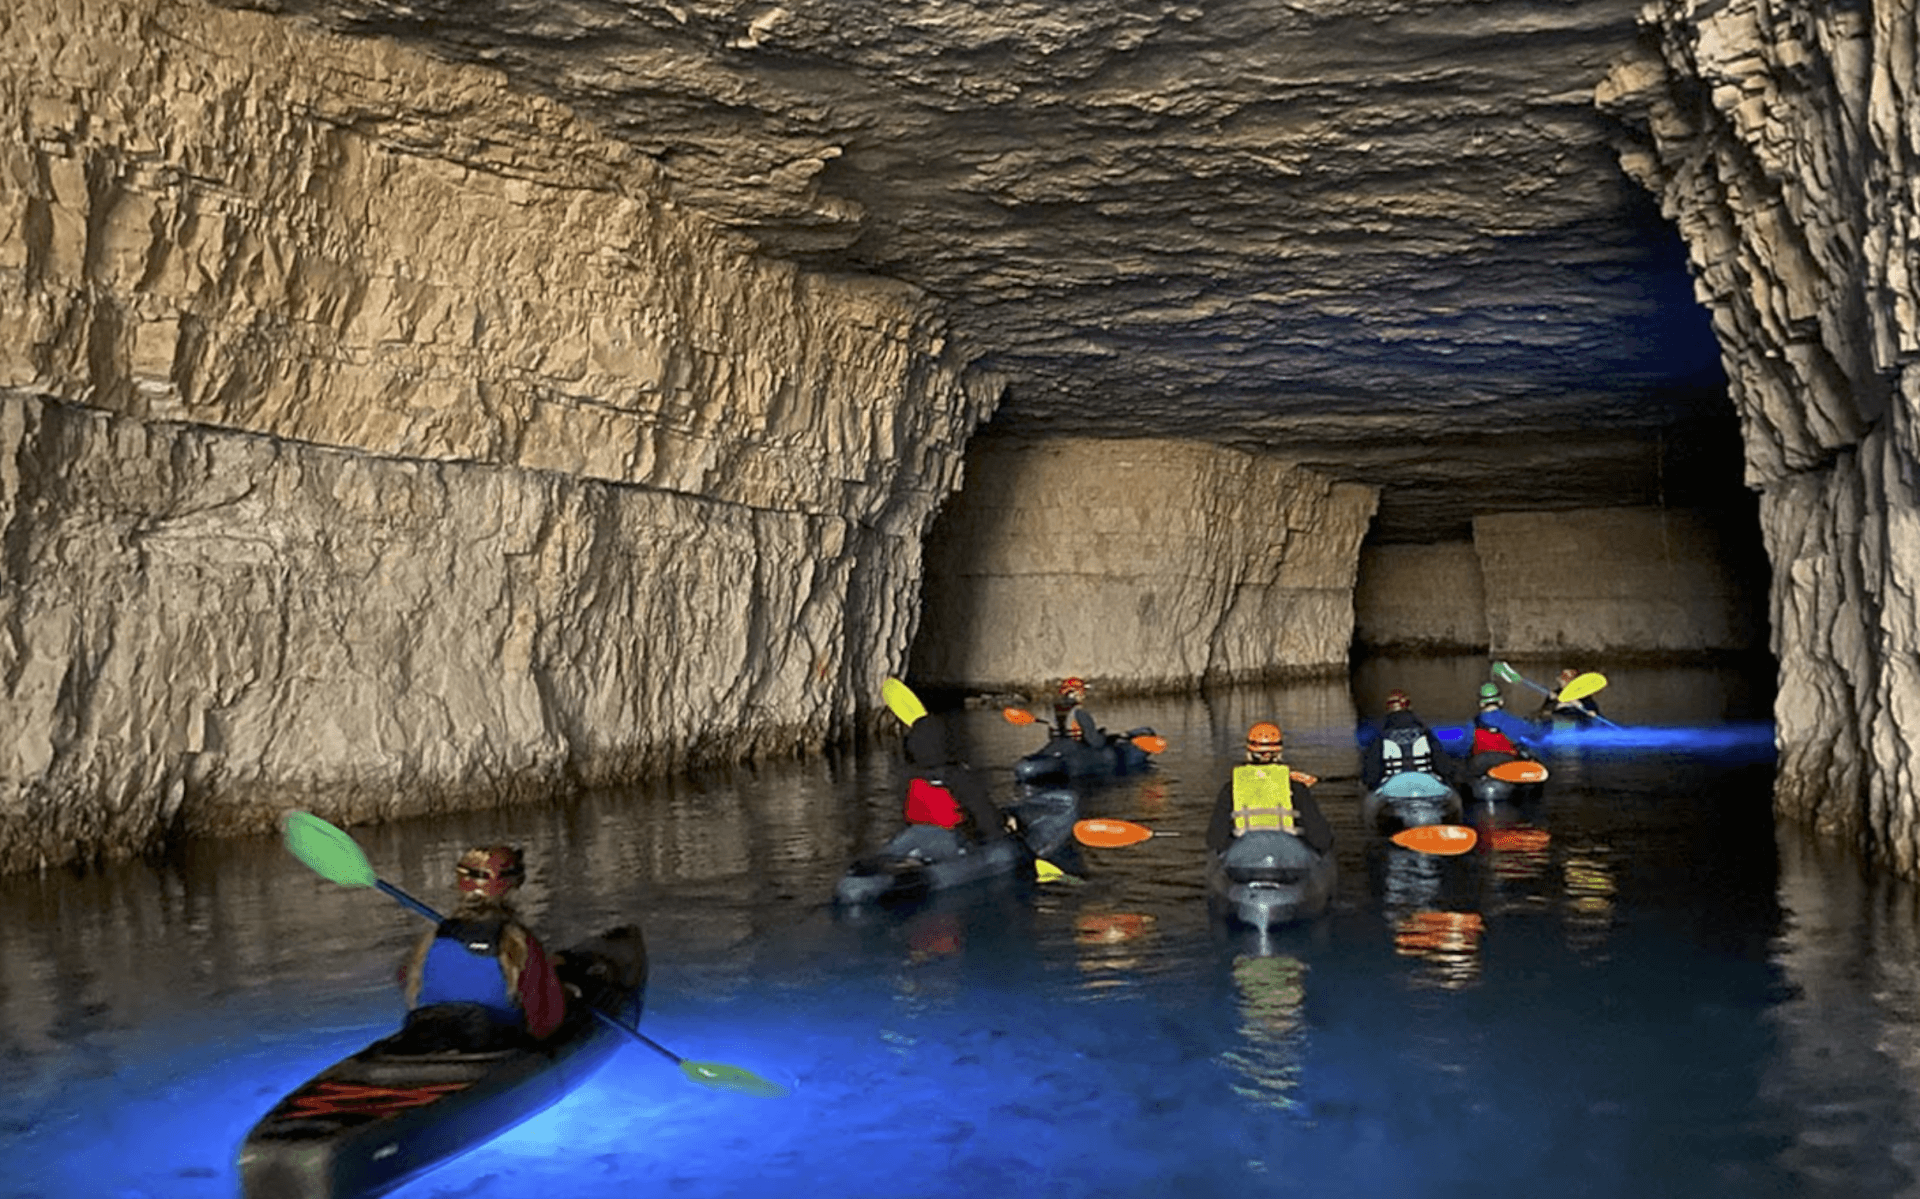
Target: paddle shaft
407, 901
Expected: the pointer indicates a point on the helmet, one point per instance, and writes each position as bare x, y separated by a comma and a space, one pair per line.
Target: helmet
1568, 675
490, 871
1490, 696
1074, 689
1397, 700
1264, 738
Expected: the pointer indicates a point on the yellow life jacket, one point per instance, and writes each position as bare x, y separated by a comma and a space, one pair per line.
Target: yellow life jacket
1263, 798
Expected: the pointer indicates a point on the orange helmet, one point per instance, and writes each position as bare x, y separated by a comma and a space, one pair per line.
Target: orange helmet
1073, 689
1397, 700
490, 871
1263, 738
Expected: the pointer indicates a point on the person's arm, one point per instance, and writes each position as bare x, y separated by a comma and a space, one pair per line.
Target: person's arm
1313, 822
1089, 731
1220, 828
413, 968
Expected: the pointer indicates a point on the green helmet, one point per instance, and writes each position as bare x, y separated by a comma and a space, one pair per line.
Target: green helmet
1490, 694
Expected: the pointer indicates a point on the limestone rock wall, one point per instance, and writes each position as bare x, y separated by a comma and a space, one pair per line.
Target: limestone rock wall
1618, 584
1420, 598
1784, 139
1139, 566
377, 438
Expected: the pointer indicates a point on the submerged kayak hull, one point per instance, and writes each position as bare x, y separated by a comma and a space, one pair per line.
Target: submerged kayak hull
376, 1119
1268, 878
922, 858
1068, 759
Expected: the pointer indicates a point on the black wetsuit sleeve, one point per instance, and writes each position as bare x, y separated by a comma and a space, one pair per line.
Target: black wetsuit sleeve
1220, 828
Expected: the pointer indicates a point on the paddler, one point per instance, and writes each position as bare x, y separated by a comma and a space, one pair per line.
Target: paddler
1267, 793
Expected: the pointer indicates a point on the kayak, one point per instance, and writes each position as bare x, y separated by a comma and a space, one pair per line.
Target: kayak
924, 858
1267, 878
1490, 788
1069, 759
380, 1116
1409, 799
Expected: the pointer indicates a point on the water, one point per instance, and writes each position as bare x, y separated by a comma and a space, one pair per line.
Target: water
1639, 987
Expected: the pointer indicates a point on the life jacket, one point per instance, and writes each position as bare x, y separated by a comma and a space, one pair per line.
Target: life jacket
1405, 749
463, 966
1492, 741
928, 802
1263, 798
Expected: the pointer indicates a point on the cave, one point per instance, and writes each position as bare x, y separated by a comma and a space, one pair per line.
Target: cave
413, 407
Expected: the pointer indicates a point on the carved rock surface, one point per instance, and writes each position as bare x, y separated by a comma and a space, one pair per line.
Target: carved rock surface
376, 438
1138, 565
1784, 139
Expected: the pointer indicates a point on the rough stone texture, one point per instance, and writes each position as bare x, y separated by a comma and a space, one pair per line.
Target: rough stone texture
1138, 565
377, 438
1783, 138
1389, 241
1621, 583
1420, 598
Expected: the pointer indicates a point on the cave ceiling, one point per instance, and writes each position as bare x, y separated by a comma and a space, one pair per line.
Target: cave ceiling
1388, 237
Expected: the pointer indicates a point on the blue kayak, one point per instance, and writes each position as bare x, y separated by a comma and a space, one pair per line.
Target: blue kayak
1072, 760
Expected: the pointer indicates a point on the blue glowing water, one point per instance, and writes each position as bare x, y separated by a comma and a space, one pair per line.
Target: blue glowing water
1632, 988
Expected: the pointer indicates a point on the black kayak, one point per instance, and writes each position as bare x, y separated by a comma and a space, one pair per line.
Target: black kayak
373, 1120
1070, 759
1487, 789
923, 858
1267, 878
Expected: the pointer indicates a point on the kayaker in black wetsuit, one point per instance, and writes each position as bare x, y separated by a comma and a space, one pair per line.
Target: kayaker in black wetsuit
1405, 743
1071, 718
1267, 793
944, 790
480, 980
1583, 709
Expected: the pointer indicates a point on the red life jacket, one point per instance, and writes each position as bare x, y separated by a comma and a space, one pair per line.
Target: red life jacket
930, 803
1492, 741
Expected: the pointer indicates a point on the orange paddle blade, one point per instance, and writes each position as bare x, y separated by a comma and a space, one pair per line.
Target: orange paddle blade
1110, 834
1151, 742
1018, 716
1519, 771
1437, 838
1303, 778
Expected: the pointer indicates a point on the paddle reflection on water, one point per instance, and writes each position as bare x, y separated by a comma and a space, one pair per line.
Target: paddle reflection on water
1641, 997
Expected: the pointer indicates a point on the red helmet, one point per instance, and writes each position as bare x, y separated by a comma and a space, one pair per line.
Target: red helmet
1397, 700
1263, 739
490, 871
1073, 689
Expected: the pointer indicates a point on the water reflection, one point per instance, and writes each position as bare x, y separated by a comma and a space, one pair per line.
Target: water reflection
1271, 988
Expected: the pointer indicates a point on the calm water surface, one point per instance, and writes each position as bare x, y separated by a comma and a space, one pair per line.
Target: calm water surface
1638, 987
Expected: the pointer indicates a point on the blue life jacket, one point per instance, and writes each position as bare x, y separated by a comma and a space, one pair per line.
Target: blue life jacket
463, 966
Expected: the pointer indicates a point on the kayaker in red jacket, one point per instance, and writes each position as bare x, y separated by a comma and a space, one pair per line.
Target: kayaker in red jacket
481, 980
944, 790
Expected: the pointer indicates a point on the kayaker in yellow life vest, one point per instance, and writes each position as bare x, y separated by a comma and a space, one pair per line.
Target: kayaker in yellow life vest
1267, 793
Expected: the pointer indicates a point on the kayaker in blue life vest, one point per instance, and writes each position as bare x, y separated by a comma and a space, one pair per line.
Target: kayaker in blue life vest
1405, 743
1267, 793
944, 790
1071, 718
481, 980
1585, 708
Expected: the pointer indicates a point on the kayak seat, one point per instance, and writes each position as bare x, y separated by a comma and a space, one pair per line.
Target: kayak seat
1279, 876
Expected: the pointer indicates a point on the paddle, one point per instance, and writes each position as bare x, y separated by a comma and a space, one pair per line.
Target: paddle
902, 702
336, 857
1577, 688
1447, 839
1150, 742
1103, 833
1508, 674
1519, 770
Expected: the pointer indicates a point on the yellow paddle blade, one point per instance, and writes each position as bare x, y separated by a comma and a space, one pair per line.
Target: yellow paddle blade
1581, 686
1437, 838
1046, 871
902, 702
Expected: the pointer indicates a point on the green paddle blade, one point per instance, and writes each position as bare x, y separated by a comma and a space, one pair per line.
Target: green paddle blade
902, 702
1505, 673
722, 1077
327, 851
